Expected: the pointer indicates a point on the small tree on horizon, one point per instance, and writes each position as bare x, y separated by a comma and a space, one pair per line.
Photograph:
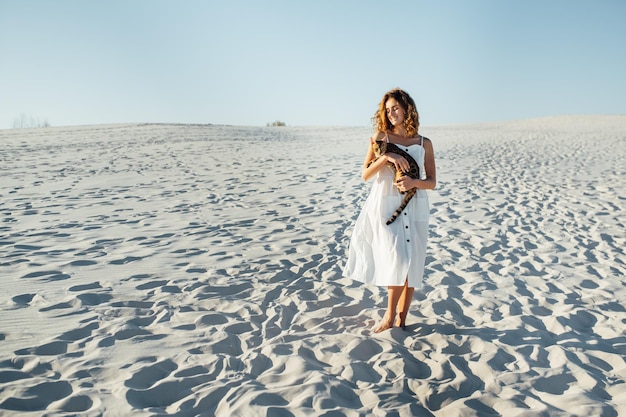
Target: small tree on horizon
277, 123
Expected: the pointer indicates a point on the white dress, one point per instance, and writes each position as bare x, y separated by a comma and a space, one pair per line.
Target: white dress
386, 255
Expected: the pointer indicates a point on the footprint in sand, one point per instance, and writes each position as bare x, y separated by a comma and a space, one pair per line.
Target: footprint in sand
155, 386
38, 397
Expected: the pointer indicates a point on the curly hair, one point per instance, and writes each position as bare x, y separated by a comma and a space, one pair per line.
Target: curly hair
411, 121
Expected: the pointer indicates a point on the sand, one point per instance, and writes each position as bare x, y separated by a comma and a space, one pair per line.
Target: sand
185, 270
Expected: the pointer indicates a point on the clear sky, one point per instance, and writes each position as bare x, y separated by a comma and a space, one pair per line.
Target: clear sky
315, 62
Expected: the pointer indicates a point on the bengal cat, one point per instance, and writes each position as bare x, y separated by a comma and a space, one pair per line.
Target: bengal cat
382, 147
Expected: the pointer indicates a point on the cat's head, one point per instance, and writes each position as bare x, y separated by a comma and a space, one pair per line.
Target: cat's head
380, 147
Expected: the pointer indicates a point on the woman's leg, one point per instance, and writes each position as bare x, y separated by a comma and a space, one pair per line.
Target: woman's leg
392, 303
404, 303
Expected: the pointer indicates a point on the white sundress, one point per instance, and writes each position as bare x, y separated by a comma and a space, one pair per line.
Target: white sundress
386, 255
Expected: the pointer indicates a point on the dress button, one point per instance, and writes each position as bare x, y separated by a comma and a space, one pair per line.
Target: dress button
408, 240
406, 227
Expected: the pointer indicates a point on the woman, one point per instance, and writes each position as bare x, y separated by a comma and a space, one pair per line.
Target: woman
393, 255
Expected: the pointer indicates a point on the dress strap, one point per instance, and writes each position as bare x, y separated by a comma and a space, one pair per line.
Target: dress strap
422, 138
387, 137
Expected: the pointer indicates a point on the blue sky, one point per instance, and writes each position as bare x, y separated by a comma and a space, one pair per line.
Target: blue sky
322, 62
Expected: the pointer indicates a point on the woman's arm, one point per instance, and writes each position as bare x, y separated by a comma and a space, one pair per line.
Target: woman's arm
429, 166
370, 168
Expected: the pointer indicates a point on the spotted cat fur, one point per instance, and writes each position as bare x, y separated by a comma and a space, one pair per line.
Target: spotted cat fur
382, 147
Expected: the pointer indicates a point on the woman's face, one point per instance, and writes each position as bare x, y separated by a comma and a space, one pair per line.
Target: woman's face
395, 112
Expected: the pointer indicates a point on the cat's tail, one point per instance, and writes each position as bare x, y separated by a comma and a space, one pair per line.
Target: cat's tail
409, 195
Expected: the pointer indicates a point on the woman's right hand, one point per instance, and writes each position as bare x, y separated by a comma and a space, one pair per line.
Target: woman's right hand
398, 161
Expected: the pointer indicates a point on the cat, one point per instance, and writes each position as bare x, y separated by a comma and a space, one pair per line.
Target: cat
382, 147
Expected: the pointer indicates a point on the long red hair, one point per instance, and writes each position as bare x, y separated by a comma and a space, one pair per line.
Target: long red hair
411, 120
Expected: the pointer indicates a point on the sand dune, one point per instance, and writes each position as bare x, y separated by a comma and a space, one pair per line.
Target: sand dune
154, 270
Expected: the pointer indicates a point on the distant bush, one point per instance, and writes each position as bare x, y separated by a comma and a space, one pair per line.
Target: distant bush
277, 123
24, 121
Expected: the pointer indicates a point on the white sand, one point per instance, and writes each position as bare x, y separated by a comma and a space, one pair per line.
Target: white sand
153, 270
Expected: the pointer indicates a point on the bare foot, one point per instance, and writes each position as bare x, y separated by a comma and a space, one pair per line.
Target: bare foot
386, 323
401, 321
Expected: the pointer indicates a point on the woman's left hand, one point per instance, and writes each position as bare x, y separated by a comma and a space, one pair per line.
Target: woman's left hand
406, 183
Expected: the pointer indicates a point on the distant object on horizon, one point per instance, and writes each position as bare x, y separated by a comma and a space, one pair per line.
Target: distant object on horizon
277, 123
24, 122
